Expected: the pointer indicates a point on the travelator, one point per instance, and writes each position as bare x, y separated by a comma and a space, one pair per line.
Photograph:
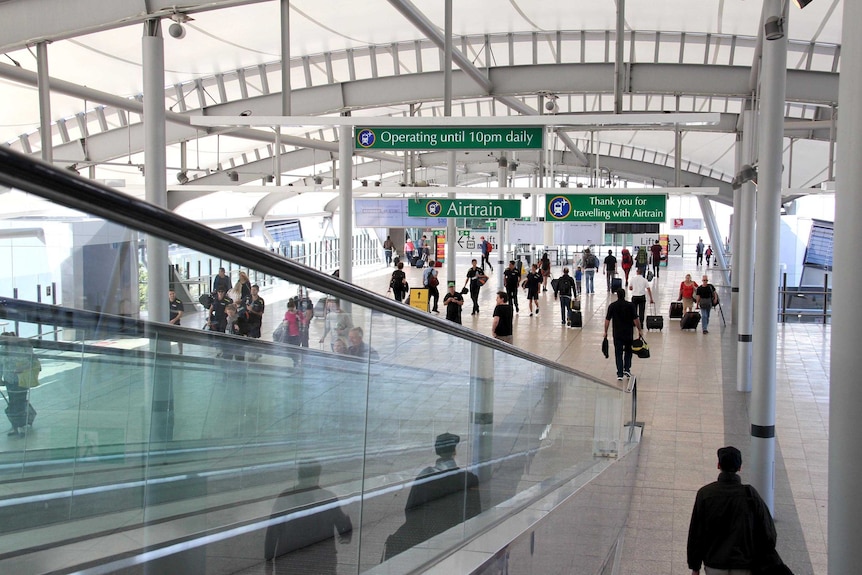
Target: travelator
165, 449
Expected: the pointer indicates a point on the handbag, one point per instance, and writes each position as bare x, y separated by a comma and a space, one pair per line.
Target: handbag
483, 279
279, 333
640, 348
30, 377
605, 348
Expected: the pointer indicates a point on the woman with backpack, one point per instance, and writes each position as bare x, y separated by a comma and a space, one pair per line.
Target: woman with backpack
627, 263
398, 282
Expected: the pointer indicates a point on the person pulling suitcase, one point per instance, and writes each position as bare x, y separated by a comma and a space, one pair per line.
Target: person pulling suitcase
20, 371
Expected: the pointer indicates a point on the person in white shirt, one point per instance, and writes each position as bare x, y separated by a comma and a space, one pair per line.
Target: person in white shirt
639, 286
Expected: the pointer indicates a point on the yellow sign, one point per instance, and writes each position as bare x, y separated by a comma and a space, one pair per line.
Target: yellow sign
419, 298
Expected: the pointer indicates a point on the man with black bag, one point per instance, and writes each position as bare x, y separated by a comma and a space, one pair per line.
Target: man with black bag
731, 529
623, 316
565, 289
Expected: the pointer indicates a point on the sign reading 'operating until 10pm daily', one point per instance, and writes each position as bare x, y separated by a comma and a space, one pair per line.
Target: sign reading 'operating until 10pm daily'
450, 138
647, 208
442, 208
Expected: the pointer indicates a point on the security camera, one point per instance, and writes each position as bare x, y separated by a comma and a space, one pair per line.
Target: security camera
177, 31
551, 106
526, 196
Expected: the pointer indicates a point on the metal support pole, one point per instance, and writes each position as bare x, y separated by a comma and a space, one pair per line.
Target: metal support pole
451, 174
502, 182
619, 65
677, 157
734, 231
43, 83
773, 87
345, 201
845, 394
481, 409
831, 168
714, 238
285, 58
743, 269
155, 183
155, 188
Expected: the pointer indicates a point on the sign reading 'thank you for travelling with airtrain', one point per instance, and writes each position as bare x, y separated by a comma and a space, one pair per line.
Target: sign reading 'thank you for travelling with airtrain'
450, 138
443, 208
646, 208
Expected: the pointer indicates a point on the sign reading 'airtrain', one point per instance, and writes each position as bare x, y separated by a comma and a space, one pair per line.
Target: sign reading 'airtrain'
442, 208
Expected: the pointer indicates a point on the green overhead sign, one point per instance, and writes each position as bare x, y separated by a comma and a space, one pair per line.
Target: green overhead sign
441, 208
450, 138
632, 208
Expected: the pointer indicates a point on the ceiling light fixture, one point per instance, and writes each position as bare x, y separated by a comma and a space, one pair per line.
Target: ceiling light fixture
774, 28
802, 3
177, 30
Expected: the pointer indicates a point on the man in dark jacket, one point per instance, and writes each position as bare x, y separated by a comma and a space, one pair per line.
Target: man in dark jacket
729, 522
565, 289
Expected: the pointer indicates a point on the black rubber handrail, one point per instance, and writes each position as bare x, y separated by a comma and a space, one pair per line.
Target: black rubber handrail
65, 188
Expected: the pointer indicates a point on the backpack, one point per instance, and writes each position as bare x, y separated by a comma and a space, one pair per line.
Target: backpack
649, 276
642, 257
206, 300
627, 258
715, 299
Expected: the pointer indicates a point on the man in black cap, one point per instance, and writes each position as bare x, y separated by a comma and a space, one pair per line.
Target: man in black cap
442, 497
453, 302
731, 528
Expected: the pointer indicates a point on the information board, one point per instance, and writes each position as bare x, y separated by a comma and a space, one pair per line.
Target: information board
380, 213
449, 138
445, 208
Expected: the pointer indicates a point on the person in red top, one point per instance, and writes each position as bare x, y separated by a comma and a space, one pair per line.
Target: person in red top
686, 294
655, 251
627, 262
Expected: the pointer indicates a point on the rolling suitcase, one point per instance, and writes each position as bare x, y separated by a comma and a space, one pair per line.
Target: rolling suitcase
690, 320
18, 419
675, 310
576, 319
616, 283
654, 321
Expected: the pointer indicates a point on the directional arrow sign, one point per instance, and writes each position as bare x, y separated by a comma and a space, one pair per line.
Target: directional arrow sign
674, 245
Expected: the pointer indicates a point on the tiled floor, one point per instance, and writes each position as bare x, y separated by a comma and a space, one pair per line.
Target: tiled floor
690, 407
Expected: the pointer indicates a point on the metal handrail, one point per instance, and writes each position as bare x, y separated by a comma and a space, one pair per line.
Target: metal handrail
68, 189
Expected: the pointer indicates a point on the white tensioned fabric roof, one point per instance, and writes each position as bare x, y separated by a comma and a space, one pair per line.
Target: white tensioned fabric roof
368, 58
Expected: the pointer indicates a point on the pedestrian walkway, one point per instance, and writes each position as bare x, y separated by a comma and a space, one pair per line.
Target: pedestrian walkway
690, 407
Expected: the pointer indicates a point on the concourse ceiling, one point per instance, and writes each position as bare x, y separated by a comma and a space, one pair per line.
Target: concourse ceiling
367, 58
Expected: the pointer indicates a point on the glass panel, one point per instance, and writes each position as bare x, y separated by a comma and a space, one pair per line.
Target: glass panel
293, 427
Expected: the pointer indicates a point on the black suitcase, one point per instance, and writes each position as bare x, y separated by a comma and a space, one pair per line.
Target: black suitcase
690, 320
616, 283
675, 310
654, 321
17, 419
576, 319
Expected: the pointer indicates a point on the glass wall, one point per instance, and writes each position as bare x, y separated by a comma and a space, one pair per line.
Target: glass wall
328, 432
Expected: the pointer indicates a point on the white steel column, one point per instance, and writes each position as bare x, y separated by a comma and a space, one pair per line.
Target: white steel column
345, 201
773, 80
845, 401
502, 182
451, 175
43, 82
743, 258
715, 238
285, 58
481, 409
734, 229
155, 181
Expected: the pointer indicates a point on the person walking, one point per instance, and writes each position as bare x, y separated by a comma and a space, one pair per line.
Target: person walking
545, 266
221, 281
398, 282
622, 316
698, 250
476, 278
627, 263
655, 253
565, 289
388, 246
639, 286
731, 531
708, 254
486, 248
706, 298
641, 260
610, 268
502, 326
532, 285
453, 302
430, 281
686, 293
590, 264
512, 281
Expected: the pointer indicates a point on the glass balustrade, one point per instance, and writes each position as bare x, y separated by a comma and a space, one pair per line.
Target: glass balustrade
368, 433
